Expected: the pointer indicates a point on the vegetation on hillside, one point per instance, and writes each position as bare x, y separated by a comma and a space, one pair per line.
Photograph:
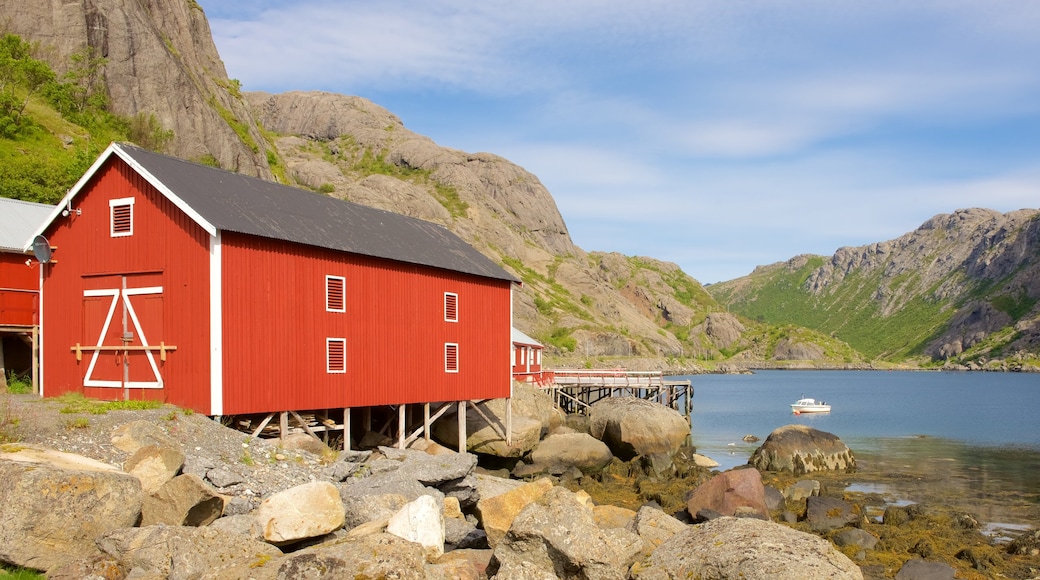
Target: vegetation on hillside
53, 127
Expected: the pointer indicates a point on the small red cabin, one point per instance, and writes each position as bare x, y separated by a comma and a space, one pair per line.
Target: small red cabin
19, 286
527, 357
232, 295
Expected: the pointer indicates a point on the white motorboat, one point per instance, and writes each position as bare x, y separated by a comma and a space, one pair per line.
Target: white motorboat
809, 406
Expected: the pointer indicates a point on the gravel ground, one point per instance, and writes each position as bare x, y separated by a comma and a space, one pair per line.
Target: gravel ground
242, 467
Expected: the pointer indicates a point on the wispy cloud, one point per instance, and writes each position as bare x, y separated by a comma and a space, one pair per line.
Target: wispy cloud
713, 132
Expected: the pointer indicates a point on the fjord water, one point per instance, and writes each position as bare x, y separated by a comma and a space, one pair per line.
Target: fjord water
976, 431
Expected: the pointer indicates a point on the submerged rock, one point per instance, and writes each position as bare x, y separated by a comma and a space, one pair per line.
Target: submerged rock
800, 449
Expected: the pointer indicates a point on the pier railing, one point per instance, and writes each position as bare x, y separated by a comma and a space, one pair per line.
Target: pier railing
576, 390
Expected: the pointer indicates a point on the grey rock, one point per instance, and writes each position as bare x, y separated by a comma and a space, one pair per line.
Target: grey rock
654, 527
800, 449
543, 536
372, 556
631, 426
183, 552
185, 500
560, 452
746, 548
223, 477
802, 490
154, 465
826, 513
55, 504
855, 537
917, 569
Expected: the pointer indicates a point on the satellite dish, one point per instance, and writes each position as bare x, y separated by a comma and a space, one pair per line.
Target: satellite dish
42, 249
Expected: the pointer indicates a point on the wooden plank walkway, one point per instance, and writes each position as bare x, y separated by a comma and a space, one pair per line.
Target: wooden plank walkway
575, 390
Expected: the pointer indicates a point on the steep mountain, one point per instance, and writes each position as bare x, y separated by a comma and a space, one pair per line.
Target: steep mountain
963, 287
158, 60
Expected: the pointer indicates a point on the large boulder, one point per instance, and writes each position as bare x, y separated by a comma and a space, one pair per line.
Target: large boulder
631, 426
55, 504
372, 556
154, 465
799, 449
561, 451
497, 513
422, 522
185, 500
305, 511
746, 548
654, 527
559, 535
488, 438
184, 552
729, 491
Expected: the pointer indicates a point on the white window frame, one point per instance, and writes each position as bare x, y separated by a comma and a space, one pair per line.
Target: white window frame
343, 285
455, 297
447, 347
328, 356
112, 205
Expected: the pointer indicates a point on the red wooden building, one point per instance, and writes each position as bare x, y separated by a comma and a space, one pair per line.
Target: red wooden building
527, 358
231, 295
19, 287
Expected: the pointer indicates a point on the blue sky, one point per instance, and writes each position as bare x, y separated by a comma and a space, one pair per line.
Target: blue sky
717, 134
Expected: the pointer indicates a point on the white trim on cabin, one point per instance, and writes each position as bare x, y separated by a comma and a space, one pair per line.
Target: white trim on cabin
216, 328
116, 226
330, 306
115, 149
451, 355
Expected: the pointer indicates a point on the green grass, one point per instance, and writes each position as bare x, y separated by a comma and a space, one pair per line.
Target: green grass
77, 403
18, 384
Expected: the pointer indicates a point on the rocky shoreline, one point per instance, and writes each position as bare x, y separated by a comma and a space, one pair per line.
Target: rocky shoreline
206, 501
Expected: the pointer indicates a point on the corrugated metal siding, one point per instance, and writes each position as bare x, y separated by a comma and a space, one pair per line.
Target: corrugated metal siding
166, 248
275, 330
18, 290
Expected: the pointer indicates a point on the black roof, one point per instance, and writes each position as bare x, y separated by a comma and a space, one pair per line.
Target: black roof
248, 205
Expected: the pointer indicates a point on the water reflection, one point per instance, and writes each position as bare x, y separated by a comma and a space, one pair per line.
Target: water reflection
997, 485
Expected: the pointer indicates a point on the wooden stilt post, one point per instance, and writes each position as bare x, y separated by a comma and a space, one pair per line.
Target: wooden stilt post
462, 426
283, 424
366, 419
401, 411
509, 421
426, 421
346, 429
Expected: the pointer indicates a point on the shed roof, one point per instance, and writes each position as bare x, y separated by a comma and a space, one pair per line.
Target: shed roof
220, 200
19, 221
518, 337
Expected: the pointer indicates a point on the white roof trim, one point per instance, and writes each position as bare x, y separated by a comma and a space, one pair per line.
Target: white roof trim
115, 149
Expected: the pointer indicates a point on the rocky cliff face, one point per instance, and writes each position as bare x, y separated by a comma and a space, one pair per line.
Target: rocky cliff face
973, 274
159, 60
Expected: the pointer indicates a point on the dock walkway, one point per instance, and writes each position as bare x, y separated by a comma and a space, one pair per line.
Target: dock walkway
575, 390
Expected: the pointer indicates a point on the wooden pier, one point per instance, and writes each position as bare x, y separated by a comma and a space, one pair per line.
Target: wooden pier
576, 390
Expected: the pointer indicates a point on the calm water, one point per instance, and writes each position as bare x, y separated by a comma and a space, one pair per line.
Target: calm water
979, 432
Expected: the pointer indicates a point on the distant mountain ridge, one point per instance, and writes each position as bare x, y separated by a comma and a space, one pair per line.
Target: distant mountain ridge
590, 308
962, 287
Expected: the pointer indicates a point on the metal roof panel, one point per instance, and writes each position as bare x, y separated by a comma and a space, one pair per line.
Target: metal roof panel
248, 205
19, 221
